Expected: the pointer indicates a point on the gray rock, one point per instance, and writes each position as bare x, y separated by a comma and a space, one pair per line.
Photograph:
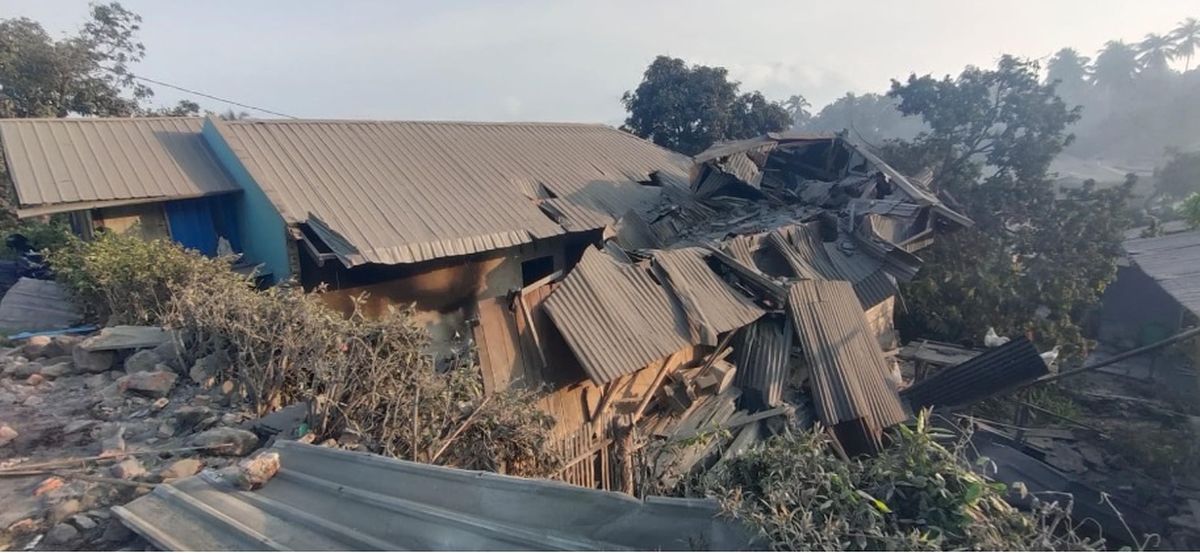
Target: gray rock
57, 370
96, 381
62, 534
7, 434
93, 361
83, 522
142, 361
165, 430
128, 469
61, 345
226, 441
189, 417
171, 353
24, 370
207, 369
156, 383
65, 510
79, 426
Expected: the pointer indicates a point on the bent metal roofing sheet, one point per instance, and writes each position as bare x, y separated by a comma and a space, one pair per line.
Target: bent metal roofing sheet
403, 192
61, 165
331, 499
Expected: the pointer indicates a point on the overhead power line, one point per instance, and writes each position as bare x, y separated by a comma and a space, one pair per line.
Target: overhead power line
212, 97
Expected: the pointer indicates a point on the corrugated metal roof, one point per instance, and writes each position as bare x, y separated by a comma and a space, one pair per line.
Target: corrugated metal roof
331, 499
849, 374
1173, 261
987, 374
811, 258
402, 192
61, 165
615, 318
712, 307
761, 353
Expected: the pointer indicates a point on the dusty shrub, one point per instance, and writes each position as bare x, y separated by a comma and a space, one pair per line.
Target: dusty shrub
282, 345
916, 495
123, 279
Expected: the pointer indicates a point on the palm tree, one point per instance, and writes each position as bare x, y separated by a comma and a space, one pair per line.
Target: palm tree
1187, 40
1116, 64
1155, 52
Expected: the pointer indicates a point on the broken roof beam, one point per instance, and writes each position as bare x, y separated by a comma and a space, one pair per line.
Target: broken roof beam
776, 293
850, 379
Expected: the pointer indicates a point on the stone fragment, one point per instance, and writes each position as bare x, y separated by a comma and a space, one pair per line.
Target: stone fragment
83, 522
160, 403
128, 469
157, 383
92, 361
35, 347
35, 379
190, 416
206, 370
226, 441
116, 533
79, 426
253, 472
57, 370
7, 434
140, 361
62, 534
61, 345
125, 337
48, 485
180, 469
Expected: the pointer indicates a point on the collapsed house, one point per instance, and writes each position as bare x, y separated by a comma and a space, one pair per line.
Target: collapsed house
654, 298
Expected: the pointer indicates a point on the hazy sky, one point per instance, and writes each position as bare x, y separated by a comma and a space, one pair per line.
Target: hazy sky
570, 61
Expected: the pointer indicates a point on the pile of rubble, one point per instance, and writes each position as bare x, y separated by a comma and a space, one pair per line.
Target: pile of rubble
90, 423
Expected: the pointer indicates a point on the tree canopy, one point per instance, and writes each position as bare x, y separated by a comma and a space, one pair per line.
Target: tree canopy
1179, 177
688, 108
1035, 261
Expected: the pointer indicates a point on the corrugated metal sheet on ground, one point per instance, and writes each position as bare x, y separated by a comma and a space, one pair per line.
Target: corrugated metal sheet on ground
761, 353
990, 373
402, 192
811, 258
1173, 261
33, 304
712, 307
849, 374
331, 499
615, 318
69, 164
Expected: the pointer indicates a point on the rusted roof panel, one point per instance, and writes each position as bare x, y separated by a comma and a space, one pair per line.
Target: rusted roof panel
849, 374
403, 192
761, 353
990, 373
712, 307
61, 165
615, 318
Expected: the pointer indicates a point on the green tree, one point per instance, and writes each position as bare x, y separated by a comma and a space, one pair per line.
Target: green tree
84, 74
1187, 40
797, 107
1179, 177
1155, 53
1034, 261
1070, 70
687, 109
1116, 66
870, 118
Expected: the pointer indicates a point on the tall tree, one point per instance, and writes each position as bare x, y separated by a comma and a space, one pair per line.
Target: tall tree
1179, 177
1070, 70
1187, 40
870, 118
84, 74
1034, 261
687, 109
1155, 53
1116, 65
797, 108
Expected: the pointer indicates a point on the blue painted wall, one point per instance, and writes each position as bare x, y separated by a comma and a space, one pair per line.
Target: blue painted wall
263, 232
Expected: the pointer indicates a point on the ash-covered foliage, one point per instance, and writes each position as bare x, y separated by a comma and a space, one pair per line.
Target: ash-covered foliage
915, 495
281, 345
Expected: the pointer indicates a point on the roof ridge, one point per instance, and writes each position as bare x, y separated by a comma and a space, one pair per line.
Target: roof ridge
423, 122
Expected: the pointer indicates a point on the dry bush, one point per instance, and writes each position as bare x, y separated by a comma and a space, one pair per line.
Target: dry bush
282, 346
915, 495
